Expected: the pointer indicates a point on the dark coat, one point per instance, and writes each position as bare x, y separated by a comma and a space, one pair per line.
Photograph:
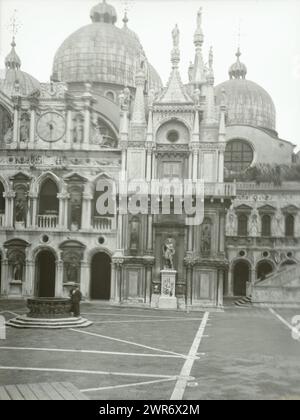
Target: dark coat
76, 296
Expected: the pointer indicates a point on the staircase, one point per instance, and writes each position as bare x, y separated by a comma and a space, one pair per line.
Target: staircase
279, 289
245, 302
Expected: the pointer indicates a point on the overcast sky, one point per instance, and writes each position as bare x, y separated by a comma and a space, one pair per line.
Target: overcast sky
270, 40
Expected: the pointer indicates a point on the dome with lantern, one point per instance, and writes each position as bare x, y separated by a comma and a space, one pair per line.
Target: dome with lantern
102, 53
16, 81
247, 102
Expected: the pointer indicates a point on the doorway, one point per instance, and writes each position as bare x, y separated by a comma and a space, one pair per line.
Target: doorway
101, 277
45, 269
241, 277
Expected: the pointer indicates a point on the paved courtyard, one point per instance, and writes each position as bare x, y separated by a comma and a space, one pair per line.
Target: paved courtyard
134, 354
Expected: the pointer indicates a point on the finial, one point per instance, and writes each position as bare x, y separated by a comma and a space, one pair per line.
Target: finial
125, 19
238, 70
13, 61
175, 56
199, 18
199, 37
176, 35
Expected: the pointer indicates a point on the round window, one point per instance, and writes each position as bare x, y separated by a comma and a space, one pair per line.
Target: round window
101, 240
238, 155
173, 136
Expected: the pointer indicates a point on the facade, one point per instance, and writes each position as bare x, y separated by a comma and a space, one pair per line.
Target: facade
105, 114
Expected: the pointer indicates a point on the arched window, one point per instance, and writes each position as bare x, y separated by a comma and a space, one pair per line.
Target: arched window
110, 95
242, 225
289, 225
49, 203
238, 155
266, 225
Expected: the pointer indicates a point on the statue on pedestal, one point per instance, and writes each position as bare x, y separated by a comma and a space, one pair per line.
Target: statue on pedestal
278, 224
24, 129
254, 224
20, 210
18, 269
231, 222
206, 236
168, 254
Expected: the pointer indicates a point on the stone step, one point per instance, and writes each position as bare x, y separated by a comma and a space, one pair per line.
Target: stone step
25, 322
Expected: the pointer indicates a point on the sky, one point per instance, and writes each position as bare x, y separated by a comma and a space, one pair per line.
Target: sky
269, 40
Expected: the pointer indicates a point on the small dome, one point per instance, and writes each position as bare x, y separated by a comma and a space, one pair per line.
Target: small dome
16, 81
247, 104
238, 70
104, 12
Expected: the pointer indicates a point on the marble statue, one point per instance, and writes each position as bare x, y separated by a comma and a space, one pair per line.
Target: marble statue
278, 224
206, 237
78, 131
231, 222
169, 254
18, 269
254, 224
20, 210
176, 35
24, 129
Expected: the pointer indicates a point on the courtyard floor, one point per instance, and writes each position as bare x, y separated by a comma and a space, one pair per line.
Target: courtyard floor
141, 354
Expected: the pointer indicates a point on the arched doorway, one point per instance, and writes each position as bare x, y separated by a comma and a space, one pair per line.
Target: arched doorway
100, 277
241, 276
263, 269
45, 274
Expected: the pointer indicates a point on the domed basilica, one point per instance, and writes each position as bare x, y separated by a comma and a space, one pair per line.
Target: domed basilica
104, 116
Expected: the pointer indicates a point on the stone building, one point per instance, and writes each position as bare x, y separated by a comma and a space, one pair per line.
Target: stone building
105, 113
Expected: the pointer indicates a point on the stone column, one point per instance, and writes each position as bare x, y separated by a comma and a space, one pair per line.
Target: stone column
28, 286
195, 165
87, 124
85, 274
69, 126
222, 233
16, 130
230, 282
32, 126
59, 280
63, 209
9, 209
4, 277
118, 282
34, 209
190, 238
220, 288
190, 165
189, 282
221, 166
148, 270
120, 231
150, 234
86, 216
113, 283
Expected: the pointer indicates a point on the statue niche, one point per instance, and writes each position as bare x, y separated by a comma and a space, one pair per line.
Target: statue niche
21, 205
75, 208
78, 129
206, 236
16, 261
25, 128
134, 235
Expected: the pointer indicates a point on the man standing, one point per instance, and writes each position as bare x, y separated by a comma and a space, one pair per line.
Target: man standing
76, 297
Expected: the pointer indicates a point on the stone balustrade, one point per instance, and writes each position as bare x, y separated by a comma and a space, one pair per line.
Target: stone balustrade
47, 222
103, 224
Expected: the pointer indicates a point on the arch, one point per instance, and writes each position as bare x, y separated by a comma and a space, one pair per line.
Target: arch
45, 273
100, 285
110, 94
168, 120
288, 262
5, 184
38, 182
97, 250
241, 277
48, 200
263, 268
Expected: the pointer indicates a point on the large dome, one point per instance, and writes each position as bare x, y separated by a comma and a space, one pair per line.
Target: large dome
102, 53
247, 102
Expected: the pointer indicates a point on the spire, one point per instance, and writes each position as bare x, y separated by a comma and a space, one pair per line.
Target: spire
13, 61
238, 70
139, 114
175, 92
199, 68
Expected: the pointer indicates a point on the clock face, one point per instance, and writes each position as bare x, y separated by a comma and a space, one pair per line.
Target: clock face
51, 127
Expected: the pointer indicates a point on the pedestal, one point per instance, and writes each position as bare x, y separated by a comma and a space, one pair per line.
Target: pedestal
168, 298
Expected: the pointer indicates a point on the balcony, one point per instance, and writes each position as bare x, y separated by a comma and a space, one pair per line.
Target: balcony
104, 224
47, 221
220, 189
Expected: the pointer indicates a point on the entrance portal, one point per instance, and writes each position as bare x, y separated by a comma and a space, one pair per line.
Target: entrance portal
241, 276
101, 277
45, 274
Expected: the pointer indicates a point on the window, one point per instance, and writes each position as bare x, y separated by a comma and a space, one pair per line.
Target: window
173, 136
2, 199
289, 225
110, 95
242, 225
266, 225
238, 156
